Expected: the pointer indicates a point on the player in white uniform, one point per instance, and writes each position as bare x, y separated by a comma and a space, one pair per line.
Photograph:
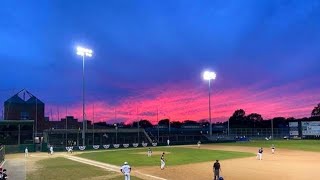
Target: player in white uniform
51, 150
199, 143
162, 162
259, 155
273, 148
149, 152
26, 152
168, 142
126, 169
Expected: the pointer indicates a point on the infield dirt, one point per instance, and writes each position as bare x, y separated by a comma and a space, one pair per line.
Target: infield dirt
283, 165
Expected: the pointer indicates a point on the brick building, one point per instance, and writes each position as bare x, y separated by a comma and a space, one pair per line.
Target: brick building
25, 106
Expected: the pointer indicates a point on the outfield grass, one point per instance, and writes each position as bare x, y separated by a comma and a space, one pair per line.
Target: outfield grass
305, 145
176, 156
62, 168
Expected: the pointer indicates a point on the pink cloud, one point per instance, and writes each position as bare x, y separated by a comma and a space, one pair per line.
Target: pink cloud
181, 101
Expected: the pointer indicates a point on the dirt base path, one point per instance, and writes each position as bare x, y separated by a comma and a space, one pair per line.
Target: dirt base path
283, 165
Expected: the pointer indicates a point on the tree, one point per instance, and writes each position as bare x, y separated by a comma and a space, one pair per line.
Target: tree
254, 120
316, 111
237, 120
190, 122
164, 122
145, 124
240, 113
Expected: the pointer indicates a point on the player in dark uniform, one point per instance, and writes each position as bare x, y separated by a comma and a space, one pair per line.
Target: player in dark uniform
216, 170
4, 174
259, 155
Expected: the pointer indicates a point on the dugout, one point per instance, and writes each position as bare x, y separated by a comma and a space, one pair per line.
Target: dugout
16, 132
60, 138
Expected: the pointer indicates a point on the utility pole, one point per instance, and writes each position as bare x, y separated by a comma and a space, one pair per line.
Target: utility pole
66, 126
138, 125
93, 125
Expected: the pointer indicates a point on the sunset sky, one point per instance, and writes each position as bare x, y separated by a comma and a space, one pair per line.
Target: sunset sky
150, 55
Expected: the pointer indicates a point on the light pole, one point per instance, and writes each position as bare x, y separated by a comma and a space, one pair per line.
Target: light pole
116, 127
208, 75
158, 123
138, 125
272, 129
88, 53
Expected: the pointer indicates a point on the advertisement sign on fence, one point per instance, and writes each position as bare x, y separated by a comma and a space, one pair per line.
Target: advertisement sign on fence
310, 128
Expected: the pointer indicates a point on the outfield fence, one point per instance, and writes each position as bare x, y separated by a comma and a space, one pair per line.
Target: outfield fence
259, 133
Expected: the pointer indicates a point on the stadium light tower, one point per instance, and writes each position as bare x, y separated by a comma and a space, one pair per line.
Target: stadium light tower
84, 52
208, 75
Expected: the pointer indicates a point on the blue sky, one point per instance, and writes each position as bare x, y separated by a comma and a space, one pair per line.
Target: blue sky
141, 47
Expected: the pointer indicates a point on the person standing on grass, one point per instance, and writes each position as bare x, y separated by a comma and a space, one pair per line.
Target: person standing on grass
199, 143
51, 150
162, 162
168, 142
216, 170
149, 152
126, 169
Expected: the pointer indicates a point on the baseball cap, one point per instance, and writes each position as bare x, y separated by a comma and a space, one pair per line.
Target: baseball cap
125, 162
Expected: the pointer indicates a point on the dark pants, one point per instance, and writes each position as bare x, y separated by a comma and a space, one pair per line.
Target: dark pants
216, 174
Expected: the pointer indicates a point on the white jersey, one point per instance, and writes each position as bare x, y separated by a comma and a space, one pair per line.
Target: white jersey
125, 169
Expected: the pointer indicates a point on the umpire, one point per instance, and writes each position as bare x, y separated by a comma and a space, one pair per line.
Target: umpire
216, 170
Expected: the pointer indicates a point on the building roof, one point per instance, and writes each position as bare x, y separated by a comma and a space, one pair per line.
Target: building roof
22, 97
14, 122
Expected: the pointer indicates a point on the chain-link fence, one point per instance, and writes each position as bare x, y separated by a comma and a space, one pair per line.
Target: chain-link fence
259, 133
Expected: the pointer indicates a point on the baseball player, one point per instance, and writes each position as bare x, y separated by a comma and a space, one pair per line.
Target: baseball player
51, 150
273, 148
199, 143
259, 155
126, 169
26, 152
216, 170
4, 174
162, 162
149, 152
168, 142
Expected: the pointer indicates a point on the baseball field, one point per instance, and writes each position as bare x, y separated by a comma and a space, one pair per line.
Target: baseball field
293, 159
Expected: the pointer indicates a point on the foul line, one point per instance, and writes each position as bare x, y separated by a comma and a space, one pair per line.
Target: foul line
106, 166
2, 163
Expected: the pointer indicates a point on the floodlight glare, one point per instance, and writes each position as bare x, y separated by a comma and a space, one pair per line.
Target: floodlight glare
208, 75
84, 51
